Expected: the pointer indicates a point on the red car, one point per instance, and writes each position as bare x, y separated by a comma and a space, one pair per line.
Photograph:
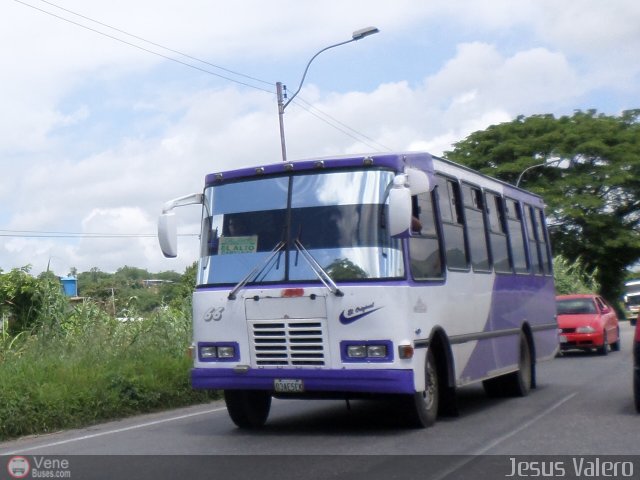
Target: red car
587, 322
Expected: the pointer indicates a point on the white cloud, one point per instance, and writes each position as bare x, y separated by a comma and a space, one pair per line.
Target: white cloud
98, 135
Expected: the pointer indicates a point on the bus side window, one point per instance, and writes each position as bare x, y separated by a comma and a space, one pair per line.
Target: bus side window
535, 250
544, 239
451, 210
516, 234
497, 233
478, 246
424, 245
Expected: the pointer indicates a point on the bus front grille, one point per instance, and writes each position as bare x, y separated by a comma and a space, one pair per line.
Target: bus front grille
288, 342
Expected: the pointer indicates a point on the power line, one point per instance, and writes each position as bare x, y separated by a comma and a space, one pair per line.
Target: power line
167, 57
322, 116
364, 138
158, 45
308, 110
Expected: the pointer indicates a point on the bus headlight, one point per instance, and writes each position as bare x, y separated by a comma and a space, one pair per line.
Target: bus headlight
208, 352
226, 352
367, 351
356, 351
218, 352
376, 351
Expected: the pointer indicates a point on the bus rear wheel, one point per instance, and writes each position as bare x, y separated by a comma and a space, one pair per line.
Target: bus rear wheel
422, 407
248, 408
518, 383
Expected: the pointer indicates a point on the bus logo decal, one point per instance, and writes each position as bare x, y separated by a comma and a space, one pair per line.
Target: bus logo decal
352, 314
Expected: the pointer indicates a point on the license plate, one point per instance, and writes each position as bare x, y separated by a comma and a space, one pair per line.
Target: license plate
562, 339
288, 385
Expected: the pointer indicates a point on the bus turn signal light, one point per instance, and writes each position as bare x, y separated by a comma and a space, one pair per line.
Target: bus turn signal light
405, 351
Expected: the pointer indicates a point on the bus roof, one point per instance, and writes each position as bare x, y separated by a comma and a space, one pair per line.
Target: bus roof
396, 161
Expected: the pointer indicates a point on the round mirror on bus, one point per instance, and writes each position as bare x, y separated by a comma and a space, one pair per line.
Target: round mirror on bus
419, 181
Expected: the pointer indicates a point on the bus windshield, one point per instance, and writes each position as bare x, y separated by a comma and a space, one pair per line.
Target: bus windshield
337, 216
633, 299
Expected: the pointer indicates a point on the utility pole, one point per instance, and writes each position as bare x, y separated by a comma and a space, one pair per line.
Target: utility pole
279, 93
280, 88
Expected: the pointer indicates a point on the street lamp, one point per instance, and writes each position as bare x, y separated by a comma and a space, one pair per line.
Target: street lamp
536, 166
357, 35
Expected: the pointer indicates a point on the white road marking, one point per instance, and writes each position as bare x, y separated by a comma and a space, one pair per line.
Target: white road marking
111, 432
525, 425
506, 436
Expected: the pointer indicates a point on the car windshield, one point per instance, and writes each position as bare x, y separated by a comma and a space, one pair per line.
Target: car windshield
336, 216
576, 306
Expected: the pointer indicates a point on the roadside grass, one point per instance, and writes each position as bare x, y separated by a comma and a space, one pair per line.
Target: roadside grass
81, 367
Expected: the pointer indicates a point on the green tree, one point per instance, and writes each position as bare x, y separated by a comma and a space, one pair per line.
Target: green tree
18, 293
593, 203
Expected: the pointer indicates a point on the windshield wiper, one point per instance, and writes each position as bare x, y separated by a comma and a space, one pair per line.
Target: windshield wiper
318, 270
256, 271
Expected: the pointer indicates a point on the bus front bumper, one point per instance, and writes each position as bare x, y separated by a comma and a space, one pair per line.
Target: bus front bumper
373, 381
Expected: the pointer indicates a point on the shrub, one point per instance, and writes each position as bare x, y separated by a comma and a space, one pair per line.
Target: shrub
78, 365
572, 277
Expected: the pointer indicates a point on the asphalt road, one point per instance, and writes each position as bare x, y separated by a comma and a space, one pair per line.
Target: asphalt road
583, 406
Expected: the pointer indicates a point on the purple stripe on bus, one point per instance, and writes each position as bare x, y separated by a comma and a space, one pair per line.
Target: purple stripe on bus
352, 380
516, 299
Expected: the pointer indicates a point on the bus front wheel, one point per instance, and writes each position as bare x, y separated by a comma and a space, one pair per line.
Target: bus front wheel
248, 408
423, 406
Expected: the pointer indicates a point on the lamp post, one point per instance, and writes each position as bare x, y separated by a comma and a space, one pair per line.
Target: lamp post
282, 105
535, 166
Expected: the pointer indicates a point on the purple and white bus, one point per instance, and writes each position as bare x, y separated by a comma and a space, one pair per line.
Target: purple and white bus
402, 276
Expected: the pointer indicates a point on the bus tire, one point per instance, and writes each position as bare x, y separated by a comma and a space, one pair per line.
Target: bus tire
423, 406
518, 383
248, 408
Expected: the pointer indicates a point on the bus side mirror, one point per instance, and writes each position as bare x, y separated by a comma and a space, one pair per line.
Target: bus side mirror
399, 220
168, 226
419, 181
168, 234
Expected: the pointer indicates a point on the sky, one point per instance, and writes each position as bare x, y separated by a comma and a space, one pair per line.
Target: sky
111, 108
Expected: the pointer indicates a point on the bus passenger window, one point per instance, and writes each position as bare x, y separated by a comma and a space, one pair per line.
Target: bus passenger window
534, 243
479, 248
518, 248
416, 224
424, 246
450, 204
497, 233
542, 235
